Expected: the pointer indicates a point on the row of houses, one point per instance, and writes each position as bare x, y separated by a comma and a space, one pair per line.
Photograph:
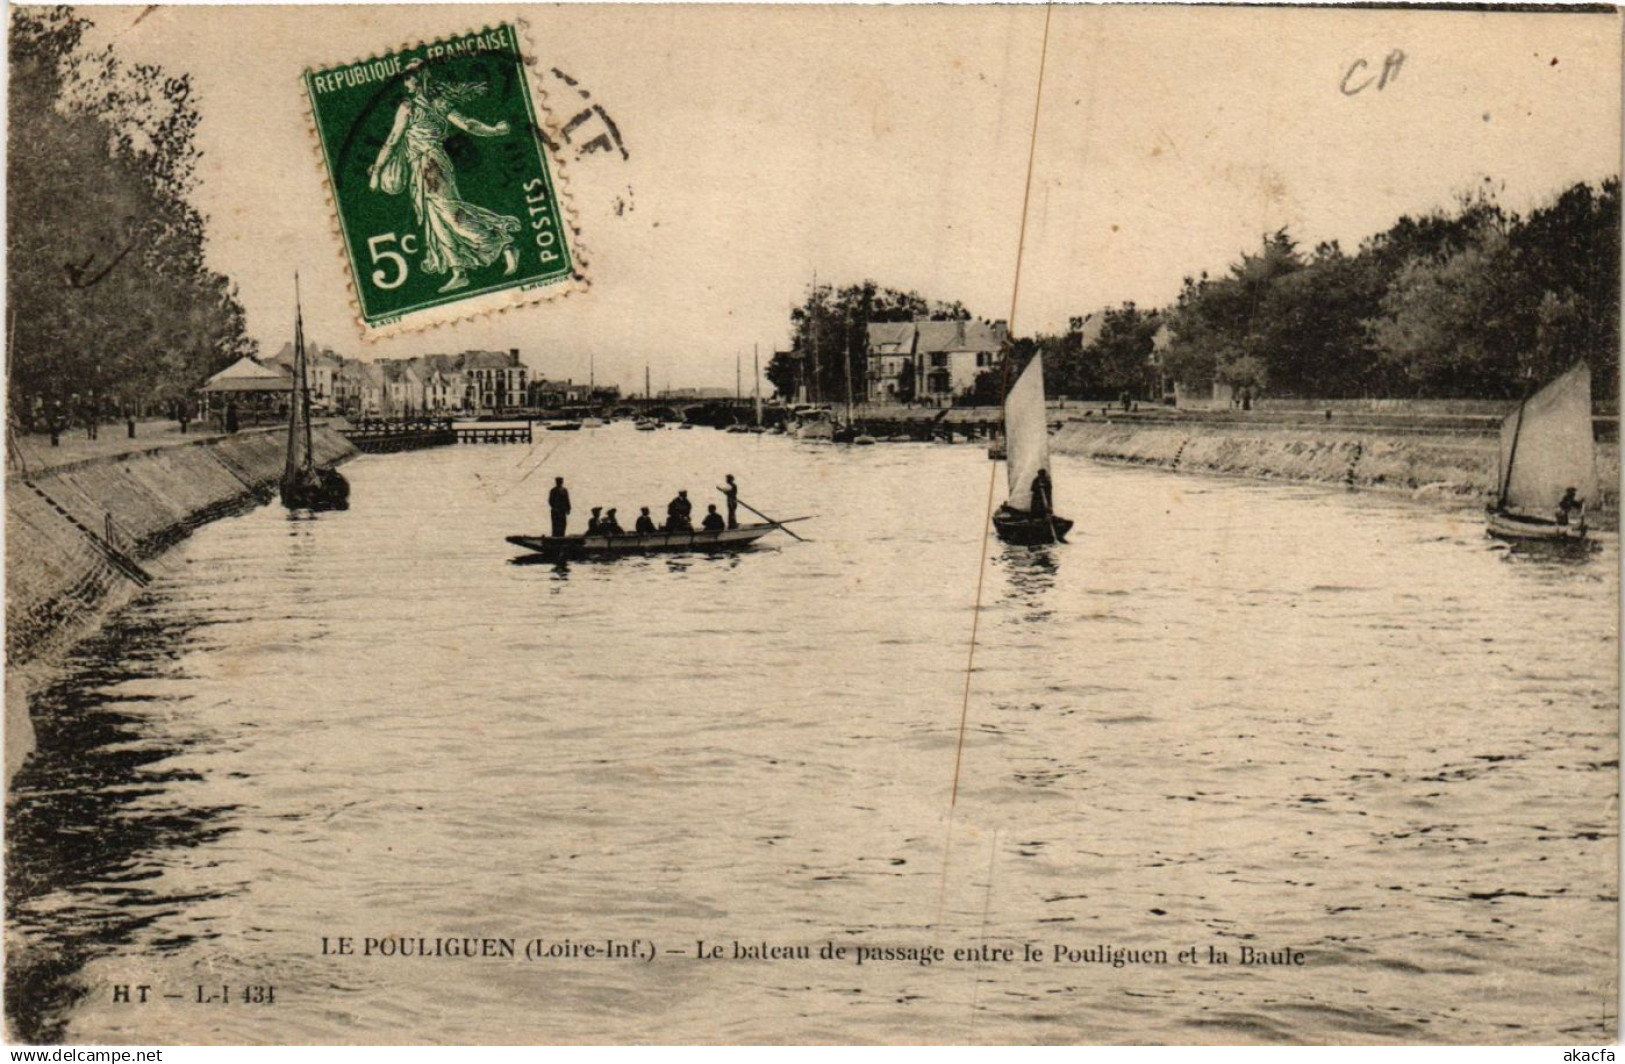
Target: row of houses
470, 382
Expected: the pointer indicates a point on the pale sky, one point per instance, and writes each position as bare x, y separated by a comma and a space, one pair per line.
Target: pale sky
891, 143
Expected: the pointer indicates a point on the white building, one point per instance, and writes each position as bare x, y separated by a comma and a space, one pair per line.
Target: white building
930, 361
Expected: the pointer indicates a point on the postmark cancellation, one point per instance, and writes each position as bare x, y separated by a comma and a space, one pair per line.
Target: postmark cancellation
447, 198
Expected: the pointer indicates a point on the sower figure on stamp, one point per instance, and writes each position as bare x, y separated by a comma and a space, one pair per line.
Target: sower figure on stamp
457, 235
558, 505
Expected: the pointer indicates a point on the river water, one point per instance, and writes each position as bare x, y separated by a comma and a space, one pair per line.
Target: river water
1331, 728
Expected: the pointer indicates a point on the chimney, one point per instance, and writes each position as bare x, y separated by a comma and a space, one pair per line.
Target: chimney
513, 356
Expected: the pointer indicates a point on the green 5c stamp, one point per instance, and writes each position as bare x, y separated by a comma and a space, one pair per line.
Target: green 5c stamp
440, 173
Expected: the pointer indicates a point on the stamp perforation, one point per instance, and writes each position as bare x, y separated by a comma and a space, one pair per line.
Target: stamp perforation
489, 299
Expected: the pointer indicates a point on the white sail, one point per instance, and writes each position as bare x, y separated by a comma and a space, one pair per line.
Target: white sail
1026, 434
1547, 448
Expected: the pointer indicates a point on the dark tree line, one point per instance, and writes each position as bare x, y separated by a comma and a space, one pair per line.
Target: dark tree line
112, 303
1116, 359
1474, 302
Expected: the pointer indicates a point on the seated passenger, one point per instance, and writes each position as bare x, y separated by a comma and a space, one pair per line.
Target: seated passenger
645, 523
611, 525
677, 514
594, 521
713, 521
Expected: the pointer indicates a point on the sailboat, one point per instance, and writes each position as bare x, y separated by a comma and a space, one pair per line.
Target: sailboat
1548, 463
1026, 435
305, 485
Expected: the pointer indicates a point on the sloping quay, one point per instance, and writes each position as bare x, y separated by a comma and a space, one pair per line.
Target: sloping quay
79, 534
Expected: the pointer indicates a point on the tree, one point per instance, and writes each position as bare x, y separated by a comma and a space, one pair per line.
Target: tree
1121, 354
105, 265
1567, 257
1447, 324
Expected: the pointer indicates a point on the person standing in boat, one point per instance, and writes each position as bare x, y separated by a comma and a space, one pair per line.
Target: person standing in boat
558, 504
730, 491
645, 524
713, 521
1043, 494
1570, 506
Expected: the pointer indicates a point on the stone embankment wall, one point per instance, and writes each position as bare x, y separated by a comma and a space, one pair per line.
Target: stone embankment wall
65, 559
1452, 468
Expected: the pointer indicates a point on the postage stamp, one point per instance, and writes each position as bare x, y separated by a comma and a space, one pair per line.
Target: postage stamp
446, 197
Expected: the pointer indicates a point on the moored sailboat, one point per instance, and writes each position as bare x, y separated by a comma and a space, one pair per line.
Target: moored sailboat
1027, 517
305, 485
1548, 463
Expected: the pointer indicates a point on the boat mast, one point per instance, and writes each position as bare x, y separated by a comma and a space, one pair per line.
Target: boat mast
1512, 452
817, 385
756, 378
304, 379
294, 461
846, 358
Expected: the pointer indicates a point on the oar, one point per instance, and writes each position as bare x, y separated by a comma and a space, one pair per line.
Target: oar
764, 517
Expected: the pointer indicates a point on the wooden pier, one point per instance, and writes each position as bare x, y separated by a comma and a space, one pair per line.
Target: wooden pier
391, 435
481, 432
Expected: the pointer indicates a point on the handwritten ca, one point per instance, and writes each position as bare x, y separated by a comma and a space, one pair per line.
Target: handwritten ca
1360, 76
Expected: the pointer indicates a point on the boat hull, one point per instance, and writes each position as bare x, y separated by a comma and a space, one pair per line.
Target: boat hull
1505, 525
563, 548
815, 430
317, 489
1024, 530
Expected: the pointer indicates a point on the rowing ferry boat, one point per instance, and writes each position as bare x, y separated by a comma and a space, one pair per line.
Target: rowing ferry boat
596, 545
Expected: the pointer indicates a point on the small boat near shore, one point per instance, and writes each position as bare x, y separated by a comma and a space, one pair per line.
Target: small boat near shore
306, 485
1027, 519
564, 426
566, 548
1548, 459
